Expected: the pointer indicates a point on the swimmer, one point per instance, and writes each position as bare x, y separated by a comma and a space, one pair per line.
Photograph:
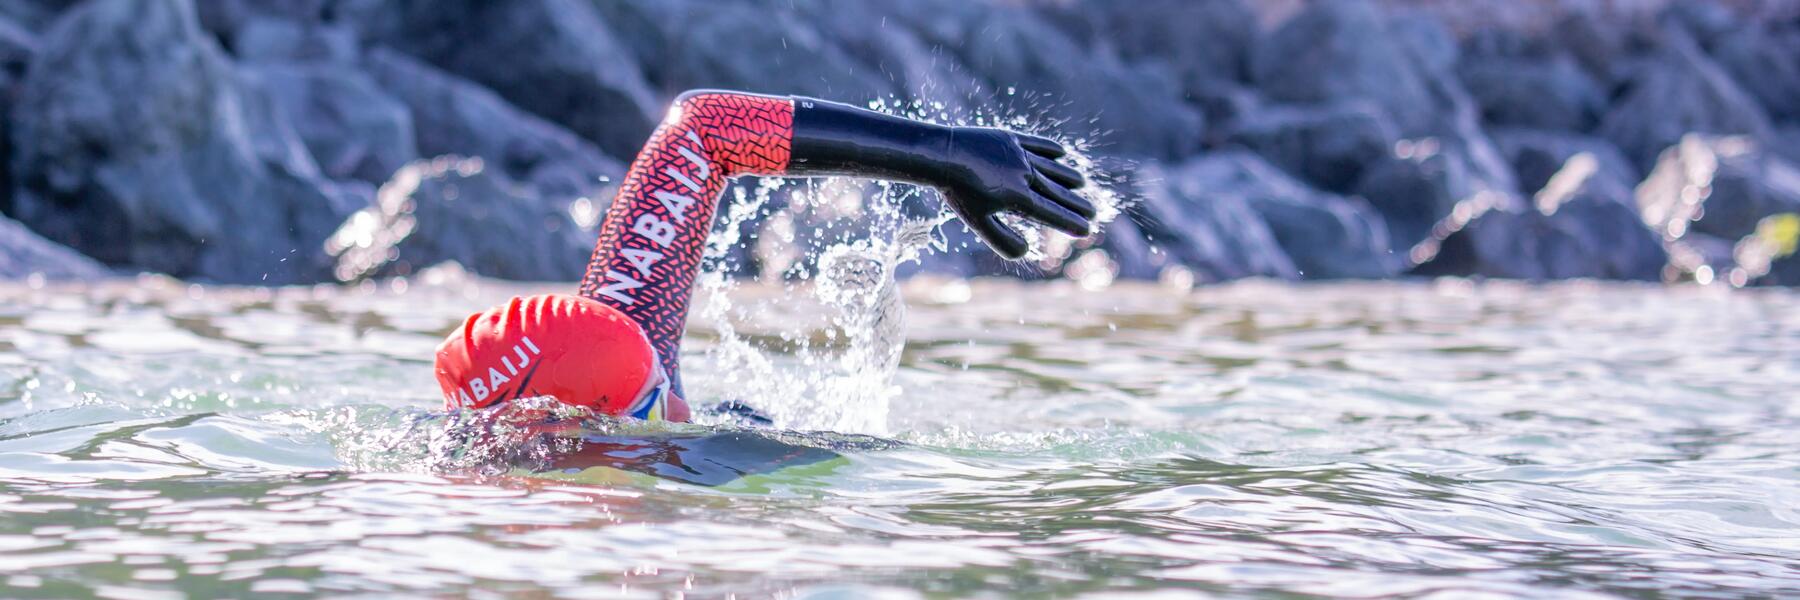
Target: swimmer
614, 348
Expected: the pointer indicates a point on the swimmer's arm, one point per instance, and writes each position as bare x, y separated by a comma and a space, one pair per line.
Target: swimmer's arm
655, 232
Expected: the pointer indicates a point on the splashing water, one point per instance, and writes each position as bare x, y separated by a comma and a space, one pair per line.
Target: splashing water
821, 352
844, 340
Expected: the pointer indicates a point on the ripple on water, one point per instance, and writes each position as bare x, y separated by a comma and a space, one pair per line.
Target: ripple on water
1347, 440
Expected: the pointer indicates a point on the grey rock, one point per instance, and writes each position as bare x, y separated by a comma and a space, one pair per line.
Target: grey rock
1424, 183
24, 254
1034, 69
1706, 22
1225, 105
1329, 146
554, 58
1462, 134
945, 23
1137, 114
1783, 271
223, 17
1683, 92
1767, 65
1698, 256
453, 116
1326, 236
353, 129
1717, 186
1430, 44
1518, 85
192, 173
1134, 110
1217, 236
1457, 127
17, 48
214, 169
1786, 142
1229, 215
763, 47
1594, 44
1205, 42
1131, 250
285, 30
642, 26
34, 15
913, 68
266, 39
1536, 155
1583, 226
1607, 238
1337, 50
456, 209
1534, 247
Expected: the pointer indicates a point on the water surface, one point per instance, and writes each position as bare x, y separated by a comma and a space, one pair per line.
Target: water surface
1348, 440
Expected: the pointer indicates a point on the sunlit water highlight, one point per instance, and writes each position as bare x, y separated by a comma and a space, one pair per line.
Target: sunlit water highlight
1351, 440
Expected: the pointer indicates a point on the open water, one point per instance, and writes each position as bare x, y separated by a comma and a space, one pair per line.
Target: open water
1450, 438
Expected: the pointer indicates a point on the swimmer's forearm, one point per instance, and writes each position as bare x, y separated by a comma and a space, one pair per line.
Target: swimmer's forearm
832, 139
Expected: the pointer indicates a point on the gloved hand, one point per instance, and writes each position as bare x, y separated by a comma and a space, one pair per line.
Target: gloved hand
991, 171
982, 172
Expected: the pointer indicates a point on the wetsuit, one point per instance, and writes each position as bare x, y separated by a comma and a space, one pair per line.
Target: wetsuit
655, 232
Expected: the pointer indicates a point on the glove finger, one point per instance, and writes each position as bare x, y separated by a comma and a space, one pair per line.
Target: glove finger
1062, 174
1041, 146
1005, 242
1062, 196
1057, 217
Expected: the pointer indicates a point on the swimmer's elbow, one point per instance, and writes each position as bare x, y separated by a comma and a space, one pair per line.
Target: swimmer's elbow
699, 96
747, 134
688, 101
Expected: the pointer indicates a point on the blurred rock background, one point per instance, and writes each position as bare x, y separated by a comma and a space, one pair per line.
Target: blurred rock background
297, 141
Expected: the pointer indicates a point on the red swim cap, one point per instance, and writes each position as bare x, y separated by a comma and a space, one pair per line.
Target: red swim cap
582, 352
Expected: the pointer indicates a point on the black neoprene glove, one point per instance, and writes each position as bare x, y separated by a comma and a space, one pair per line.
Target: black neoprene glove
982, 172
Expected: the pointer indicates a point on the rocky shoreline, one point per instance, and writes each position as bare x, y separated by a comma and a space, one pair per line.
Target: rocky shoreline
302, 141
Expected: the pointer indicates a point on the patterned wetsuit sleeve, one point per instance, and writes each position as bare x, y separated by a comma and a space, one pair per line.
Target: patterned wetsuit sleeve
650, 244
